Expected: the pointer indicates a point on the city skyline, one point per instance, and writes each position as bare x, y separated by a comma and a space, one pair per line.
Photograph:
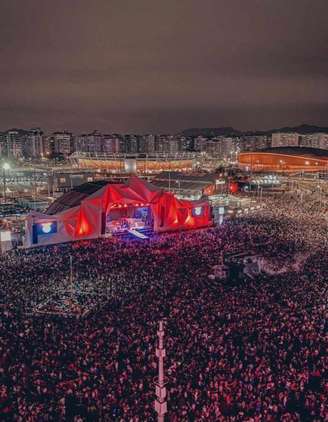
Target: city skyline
303, 128
145, 67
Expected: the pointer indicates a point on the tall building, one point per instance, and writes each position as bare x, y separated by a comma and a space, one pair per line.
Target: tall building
81, 143
131, 144
33, 146
141, 144
63, 143
290, 139
228, 148
150, 143
14, 141
111, 144
255, 142
212, 147
188, 143
321, 140
173, 145
200, 143
315, 140
95, 142
183, 143
48, 146
2, 143
160, 143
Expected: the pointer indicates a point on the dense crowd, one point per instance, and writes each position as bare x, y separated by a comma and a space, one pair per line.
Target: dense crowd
254, 351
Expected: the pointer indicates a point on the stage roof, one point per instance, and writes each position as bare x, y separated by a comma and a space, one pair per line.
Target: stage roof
75, 196
79, 213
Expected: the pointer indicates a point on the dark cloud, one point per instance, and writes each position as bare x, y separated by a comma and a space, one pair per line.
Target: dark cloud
152, 65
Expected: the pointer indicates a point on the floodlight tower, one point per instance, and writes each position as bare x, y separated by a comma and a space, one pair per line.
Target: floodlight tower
160, 381
5, 167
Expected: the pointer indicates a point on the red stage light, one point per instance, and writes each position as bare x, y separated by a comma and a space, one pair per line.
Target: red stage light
84, 227
233, 187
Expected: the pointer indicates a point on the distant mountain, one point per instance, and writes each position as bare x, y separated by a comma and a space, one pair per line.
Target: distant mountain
302, 129
210, 132
20, 131
230, 131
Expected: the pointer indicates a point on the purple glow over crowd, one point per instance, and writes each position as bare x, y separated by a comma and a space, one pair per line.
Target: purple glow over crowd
252, 350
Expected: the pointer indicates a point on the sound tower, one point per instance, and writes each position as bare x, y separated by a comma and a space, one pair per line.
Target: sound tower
34, 234
103, 223
162, 216
236, 271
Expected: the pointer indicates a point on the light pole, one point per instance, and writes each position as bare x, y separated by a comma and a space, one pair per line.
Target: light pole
320, 194
5, 167
160, 381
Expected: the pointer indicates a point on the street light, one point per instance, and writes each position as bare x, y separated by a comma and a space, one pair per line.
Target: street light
5, 166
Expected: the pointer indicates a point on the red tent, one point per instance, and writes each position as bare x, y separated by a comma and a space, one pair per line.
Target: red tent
88, 219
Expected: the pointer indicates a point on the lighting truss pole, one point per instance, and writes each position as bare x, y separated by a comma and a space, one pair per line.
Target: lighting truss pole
4, 185
160, 381
71, 274
5, 167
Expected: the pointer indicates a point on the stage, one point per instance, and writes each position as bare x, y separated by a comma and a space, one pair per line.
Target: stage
135, 220
100, 209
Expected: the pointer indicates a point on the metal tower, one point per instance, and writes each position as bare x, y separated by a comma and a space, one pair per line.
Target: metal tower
160, 381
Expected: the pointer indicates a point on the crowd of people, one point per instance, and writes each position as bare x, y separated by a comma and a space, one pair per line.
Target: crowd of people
253, 351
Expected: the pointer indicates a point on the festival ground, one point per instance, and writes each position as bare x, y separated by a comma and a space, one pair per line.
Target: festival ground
251, 352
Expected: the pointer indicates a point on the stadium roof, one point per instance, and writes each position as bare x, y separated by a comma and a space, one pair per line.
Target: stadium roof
300, 151
285, 159
175, 175
174, 185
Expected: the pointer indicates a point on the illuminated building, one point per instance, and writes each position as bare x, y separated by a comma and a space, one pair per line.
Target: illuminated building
63, 143
282, 139
286, 159
135, 163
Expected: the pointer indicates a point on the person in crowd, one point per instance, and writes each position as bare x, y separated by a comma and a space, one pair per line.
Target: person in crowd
250, 352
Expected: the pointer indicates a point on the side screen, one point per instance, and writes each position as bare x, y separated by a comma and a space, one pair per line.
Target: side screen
47, 228
197, 211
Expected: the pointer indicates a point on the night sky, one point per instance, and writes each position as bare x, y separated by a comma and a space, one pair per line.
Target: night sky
163, 65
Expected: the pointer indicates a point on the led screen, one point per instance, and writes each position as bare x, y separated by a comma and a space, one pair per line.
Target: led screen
197, 211
48, 227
